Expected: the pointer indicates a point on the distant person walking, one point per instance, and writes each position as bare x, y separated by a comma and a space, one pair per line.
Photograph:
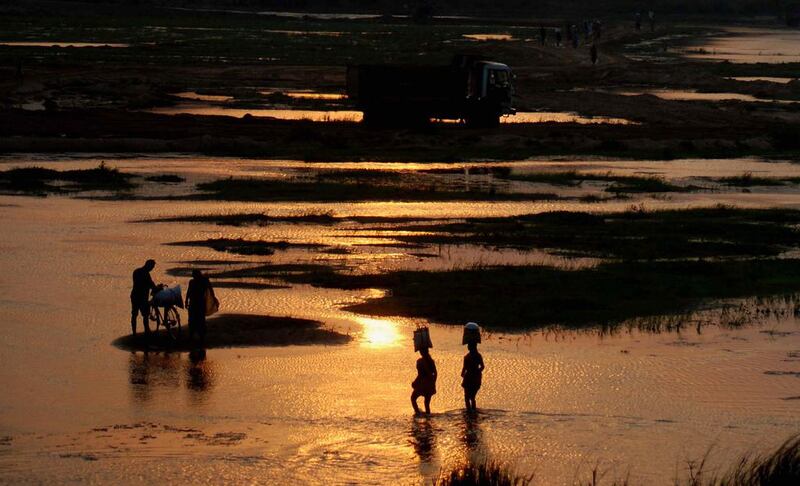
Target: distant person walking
543, 36
651, 15
140, 295
472, 371
638, 21
593, 54
424, 385
198, 296
558, 37
598, 29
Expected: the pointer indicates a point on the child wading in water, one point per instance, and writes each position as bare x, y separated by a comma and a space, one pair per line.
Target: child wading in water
472, 372
424, 385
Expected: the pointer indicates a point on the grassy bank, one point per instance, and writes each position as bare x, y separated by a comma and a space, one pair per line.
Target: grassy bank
778, 468
531, 297
633, 234
38, 180
536, 297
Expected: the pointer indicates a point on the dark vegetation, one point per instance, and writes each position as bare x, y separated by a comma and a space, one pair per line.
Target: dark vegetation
260, 219
300, 190
166, 179
749, 180
653, 270
38, 180
634, 234
241, 246
241, 330
536, 297
483, 474
779, 468
618, 183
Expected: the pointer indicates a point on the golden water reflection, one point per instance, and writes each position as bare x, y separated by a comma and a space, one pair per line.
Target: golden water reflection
379, 333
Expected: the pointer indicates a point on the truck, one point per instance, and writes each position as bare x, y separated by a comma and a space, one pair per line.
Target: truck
469, 89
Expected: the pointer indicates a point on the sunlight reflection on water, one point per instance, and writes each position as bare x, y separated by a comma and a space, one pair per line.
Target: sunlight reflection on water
379, 333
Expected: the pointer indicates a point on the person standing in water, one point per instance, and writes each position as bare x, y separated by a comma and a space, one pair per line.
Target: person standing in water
472, 374
424, 385
140, 295
199, 285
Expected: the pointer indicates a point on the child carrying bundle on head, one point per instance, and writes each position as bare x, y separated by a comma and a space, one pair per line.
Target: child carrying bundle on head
424, 385
472, 371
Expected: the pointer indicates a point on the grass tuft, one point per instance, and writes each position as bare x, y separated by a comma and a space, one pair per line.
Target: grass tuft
484, 474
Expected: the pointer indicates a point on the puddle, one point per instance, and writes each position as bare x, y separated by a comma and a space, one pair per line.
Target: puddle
770, 79
61, 44
690, 95
489, 37
563, 117
311, 115
322, 33
357, 116
191, 95
307, 95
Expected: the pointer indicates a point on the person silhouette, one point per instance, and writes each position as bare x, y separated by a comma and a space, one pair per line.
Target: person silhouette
424, 385
140, 295
472, 374
196, 303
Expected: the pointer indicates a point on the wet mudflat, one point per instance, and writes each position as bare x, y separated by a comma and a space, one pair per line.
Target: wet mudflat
596, 240
557, 402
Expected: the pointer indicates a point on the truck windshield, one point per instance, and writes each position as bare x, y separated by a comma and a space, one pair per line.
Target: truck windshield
498, 78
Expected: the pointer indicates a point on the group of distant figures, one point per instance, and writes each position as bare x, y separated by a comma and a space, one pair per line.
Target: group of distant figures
588, 32
195, 302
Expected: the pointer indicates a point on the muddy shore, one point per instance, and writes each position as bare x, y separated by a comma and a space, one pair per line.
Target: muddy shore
239, 330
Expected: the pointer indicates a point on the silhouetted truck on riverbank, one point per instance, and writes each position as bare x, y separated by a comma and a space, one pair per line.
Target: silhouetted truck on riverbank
476, 91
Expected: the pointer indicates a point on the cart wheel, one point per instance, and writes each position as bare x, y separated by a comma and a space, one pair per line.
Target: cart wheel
172, 323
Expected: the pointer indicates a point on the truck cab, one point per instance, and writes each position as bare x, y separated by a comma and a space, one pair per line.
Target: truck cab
491, 90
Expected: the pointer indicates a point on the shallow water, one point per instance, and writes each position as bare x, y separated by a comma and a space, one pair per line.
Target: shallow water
554, 403
750, 45
308, 95
489, 37
769, 79
196, 108
691, 95
281, 114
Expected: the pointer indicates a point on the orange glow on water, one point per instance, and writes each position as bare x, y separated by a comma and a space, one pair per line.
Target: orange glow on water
379, 333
